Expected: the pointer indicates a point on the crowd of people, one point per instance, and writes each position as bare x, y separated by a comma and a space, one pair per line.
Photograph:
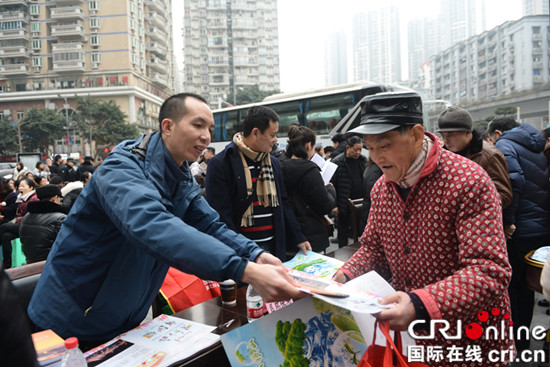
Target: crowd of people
447, 221
18, 195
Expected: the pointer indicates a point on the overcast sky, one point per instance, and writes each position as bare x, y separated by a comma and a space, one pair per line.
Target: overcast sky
305, 24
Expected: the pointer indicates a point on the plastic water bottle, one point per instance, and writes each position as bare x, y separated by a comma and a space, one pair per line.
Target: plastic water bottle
254, 304
73, 356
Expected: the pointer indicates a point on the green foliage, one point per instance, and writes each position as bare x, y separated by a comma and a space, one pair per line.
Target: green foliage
103, 121
250, 94
40, 128
8, 137
281, 334
505, 110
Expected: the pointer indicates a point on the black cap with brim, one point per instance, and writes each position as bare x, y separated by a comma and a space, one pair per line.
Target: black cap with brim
383, 112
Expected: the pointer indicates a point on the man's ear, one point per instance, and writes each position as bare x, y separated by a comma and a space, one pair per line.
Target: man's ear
418, 132
166, 126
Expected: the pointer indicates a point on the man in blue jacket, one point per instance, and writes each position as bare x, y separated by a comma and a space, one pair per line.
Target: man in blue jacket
140, 213
244, 183
527, 219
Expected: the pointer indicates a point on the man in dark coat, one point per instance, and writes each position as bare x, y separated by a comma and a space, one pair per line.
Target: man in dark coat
68, 172
455, 126
527, 219
55, 169
348, 182
40, 226
86, 166
245, 185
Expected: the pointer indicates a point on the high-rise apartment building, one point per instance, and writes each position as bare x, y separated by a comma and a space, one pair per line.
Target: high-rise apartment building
377, 46
230, 44
54, 50
535, 7
336, 59
458, 20
513, 56
423, 43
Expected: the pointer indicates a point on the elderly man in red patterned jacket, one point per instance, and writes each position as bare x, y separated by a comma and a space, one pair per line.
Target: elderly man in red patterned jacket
435, 232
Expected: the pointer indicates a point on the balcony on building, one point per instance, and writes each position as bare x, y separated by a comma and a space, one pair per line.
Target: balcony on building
537, 37
67, 2
67, 12
537, 50
154, 18
155, 5
537, 79
73, 29
160, 79
158, 64
14, 51
156, 48
14, 34
69, 65
67, 46
10, 16
14, 69
14, 2
156, 34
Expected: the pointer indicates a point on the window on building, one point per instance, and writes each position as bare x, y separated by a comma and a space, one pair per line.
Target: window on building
96, 57
95, 40
132, 23
35, 10
36, 27
94, 22
20, 115
36, 61
94, 5
536, 30
36, 44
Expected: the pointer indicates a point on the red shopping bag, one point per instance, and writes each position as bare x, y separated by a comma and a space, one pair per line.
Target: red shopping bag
181, 290
380, 356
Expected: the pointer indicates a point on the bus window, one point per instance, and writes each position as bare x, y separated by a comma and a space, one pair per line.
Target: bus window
325, 112
226, 125
289, 113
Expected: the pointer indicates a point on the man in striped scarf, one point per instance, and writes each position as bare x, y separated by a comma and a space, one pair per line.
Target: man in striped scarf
244, 184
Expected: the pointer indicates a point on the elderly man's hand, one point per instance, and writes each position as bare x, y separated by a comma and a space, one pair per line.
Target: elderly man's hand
339, 277
399, 316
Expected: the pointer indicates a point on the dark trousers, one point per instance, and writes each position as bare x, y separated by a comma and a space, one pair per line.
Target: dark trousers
8, 232
521, 297
344, 228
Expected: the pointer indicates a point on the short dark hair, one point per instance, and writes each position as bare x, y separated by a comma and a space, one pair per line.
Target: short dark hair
57, 158
328, 148
298, 137
29, 182
84, 176
352, 140
211, 150
502, 124
338, 138
546, 133
56, 180
259, 117
174, 107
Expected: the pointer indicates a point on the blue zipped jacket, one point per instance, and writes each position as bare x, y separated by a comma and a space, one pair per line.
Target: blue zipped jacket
530, 209
139, 214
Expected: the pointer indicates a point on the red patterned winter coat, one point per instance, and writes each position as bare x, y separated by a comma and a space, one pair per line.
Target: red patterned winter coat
445, 243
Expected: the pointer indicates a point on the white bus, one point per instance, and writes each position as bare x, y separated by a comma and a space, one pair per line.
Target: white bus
320, 110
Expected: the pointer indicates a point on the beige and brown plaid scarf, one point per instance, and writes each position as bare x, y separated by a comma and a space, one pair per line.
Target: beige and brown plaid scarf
266, 191
413, 174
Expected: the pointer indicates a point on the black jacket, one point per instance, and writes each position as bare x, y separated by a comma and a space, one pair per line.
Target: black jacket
70, 198
69, 174
39, 229
342, 181
16, 346
370, 176
85, 167
302, 178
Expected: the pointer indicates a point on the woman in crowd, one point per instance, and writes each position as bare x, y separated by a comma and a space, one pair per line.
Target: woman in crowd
19, 171
311, 199
10, 230
8, 206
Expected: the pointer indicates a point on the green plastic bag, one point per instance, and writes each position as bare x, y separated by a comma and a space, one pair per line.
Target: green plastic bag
17, 256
